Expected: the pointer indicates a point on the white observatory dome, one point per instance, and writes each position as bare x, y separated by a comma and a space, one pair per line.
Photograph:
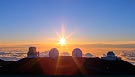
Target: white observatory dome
54, 52
77, 52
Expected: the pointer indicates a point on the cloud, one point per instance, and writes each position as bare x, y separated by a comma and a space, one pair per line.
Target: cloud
106, 45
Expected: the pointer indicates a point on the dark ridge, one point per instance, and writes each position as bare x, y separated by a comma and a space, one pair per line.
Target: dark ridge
68, 65
4, 63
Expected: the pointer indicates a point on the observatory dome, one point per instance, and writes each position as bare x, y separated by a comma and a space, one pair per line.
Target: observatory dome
77, 52
110, 53
32, 53
54, 52
88, 55
110, 56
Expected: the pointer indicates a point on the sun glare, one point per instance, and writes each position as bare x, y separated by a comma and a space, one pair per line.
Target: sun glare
62, 41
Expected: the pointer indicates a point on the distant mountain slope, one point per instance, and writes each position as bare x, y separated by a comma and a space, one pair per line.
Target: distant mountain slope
67, 65
4, 63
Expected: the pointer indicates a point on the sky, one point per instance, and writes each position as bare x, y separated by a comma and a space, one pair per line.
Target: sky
81, 21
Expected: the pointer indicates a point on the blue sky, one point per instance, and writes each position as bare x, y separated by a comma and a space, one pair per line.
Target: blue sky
89, 20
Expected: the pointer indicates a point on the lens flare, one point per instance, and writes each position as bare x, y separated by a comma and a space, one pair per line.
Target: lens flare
62, 41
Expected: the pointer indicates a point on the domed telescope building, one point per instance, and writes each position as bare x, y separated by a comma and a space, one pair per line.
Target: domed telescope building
88, 55
77, 52
54, 52
32, 53
110, 56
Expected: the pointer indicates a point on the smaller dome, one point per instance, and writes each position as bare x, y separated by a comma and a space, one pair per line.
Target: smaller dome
77, 52
88, 55
65, 54
54, 52
110, 53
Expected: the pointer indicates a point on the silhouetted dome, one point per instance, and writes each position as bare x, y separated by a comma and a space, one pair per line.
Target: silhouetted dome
110, 53
110, 56
77, 52
54, 52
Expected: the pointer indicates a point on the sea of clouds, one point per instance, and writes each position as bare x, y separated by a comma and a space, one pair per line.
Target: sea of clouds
15, 54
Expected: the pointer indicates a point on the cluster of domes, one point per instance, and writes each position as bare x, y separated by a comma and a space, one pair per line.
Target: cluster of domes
75, 53
53, 52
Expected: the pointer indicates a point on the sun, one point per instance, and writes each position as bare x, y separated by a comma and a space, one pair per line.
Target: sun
62, 41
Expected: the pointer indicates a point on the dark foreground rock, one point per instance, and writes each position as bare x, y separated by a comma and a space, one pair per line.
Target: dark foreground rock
68, 66
4, 63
